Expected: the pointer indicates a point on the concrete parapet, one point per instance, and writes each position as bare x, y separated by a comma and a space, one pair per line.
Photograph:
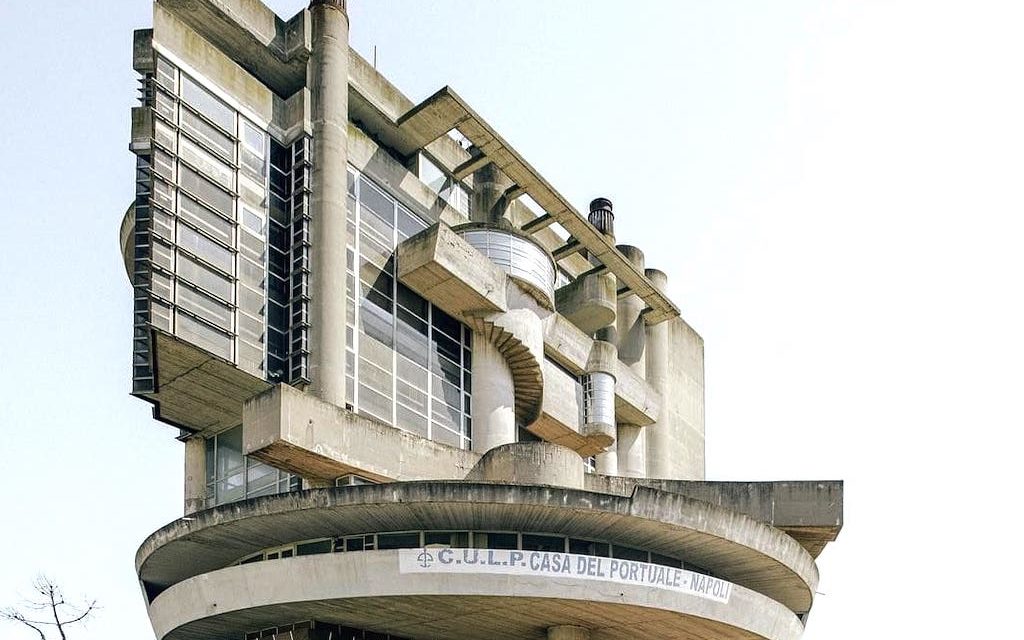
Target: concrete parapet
299, 433
809, 511
541, 463
377, 590
731, 545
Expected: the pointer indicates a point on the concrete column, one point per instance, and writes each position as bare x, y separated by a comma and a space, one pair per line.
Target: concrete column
568, 632
659, 435
327, 72
494, 402
631, 337
195, 474
489, 185
603, 218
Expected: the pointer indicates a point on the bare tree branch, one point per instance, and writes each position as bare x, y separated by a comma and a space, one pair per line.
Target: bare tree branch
49, 597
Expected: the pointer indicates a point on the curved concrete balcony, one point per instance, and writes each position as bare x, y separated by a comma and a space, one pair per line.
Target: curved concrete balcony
518, 255
411, 593
731, 545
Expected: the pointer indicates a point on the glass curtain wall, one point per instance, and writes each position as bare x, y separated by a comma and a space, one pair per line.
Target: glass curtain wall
232, 475
205, 217
408, 363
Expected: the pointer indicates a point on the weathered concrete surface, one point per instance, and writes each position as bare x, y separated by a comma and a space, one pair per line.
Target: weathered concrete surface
540, 463
328, 80
443, 268
730, 544
494, 398
684, 405
179, 40
588, 302
295, 431
195, 474
660, 454
271, 49
367, 590
809, 511
198, 391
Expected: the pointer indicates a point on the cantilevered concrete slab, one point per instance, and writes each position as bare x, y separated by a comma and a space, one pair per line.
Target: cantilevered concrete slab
368, 590
731, 545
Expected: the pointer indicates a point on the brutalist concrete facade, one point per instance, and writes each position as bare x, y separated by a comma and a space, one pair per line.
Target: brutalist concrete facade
420, 395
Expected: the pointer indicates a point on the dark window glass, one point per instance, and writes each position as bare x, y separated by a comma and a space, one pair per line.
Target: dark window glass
398, 540
628, 553
657, 558
492, 540
588, 547
533, 542
310, 548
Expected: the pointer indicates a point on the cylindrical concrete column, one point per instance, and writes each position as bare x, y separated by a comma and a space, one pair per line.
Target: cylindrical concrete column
630, 333
659, 435
568, 632
494, 401
489, 186
602, 217
327, 72
195, 474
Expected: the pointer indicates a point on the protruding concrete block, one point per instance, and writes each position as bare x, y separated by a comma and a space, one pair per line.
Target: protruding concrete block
443, 268
588, 302
297, 432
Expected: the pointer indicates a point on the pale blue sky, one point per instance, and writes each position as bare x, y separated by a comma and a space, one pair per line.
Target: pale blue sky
834, 189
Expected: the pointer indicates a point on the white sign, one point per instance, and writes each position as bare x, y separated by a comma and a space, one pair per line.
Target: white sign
551, 564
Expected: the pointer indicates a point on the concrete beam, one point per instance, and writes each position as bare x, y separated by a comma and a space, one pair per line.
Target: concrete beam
571, 247
470, 166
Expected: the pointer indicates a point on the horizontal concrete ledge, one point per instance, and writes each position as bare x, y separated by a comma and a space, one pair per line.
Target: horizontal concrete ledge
732, 545
368, 590
300, 433
810, 511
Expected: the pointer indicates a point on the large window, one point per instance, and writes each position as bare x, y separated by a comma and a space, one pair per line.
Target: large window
408, 363
205, 208
232, 475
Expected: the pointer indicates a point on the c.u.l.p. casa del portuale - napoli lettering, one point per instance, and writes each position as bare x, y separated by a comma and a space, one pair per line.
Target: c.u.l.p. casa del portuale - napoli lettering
550, 564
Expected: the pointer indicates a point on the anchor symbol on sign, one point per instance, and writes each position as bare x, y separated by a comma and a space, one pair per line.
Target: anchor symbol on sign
425, 558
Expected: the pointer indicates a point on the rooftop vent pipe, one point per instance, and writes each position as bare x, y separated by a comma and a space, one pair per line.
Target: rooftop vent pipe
601, 216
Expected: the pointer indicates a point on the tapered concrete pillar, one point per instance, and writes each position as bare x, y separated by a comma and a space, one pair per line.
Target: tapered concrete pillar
494, 401
195, 474
630, 333
568, 632
327, 71
488, 202
659, 434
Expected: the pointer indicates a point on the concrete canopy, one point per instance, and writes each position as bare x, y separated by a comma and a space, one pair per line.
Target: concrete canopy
732, 545
367, 590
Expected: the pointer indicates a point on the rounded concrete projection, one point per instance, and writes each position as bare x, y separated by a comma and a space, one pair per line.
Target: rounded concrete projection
328, 74
370, 590
659, 434
631, 336
541, 463
731, 545
494, 399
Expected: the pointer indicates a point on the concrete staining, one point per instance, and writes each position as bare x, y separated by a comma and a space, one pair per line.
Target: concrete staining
574, 424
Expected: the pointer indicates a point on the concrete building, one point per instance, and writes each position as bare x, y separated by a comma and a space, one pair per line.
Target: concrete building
420, 395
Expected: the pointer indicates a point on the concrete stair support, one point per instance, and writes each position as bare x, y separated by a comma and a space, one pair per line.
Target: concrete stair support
518, 335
